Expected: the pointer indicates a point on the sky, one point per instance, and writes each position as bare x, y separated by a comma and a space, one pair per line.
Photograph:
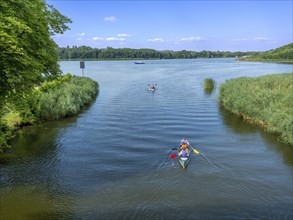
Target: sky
215, 25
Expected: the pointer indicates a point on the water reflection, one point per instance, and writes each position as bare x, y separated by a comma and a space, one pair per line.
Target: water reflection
239, 126
32, 175
208, 91
36, 141
284, 149
34, 202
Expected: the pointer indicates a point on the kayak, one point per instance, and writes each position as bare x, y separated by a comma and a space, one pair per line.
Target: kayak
184, 160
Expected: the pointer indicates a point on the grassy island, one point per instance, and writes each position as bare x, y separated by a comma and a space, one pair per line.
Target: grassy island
266, 101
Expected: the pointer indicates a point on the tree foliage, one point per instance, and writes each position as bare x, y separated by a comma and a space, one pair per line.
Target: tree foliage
28, 54
85, 52
282, 54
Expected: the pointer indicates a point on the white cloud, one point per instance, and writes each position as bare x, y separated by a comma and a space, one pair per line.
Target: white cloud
240, 39
191, 38
98, 38
124, 35
119, 38
115, 39
260, 38
110, 19
158, 39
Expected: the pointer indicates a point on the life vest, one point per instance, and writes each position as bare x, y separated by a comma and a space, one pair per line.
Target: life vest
184, 153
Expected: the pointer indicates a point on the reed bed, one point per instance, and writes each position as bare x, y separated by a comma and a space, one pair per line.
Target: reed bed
209, 84
65, 96
266, 101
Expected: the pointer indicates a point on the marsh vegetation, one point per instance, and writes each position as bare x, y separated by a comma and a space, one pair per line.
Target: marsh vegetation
64, 96
265, 100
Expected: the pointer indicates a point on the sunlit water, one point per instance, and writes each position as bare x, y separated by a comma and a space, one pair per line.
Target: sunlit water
112, 161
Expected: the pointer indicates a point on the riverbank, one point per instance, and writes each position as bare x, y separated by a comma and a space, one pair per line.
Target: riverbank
266, 101
62, 97
250, 59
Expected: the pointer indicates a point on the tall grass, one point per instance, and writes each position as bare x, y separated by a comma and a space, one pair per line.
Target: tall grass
67, 99
209, 84
265, 100
62, 97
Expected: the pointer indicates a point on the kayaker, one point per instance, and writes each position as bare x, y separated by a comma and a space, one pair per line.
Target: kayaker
183, 153
184, 141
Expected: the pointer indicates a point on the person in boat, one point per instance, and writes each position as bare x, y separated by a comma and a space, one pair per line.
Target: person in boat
183, 152
184, 141
184, 147
153, 87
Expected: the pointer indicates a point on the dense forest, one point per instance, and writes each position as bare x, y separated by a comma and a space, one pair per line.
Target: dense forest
281, 54
85, 52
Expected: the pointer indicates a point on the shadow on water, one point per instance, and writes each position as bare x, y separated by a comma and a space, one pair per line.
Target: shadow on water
208, 91
38, 140
31, 183
239, 126
284, 149
35, 141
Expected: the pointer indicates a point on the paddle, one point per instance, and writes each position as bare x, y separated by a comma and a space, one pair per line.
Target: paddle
195, 151
172, 156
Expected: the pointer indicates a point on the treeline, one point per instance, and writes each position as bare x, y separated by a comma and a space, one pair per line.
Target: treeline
282, 54
85, 52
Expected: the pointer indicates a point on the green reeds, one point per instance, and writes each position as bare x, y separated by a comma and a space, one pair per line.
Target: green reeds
62, 97
209, 85
67, 99
265, 100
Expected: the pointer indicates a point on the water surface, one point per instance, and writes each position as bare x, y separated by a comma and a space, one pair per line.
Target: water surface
112, 160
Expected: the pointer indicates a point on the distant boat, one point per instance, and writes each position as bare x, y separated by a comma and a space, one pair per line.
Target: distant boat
139, 62
152, 87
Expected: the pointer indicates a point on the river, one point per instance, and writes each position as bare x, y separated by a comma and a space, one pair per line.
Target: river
112, 161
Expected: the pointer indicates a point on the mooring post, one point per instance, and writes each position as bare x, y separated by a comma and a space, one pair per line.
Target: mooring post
82, 66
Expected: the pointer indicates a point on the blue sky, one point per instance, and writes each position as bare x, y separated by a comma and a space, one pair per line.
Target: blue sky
177, 25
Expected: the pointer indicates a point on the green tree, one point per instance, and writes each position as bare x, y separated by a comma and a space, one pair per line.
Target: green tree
28, 55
